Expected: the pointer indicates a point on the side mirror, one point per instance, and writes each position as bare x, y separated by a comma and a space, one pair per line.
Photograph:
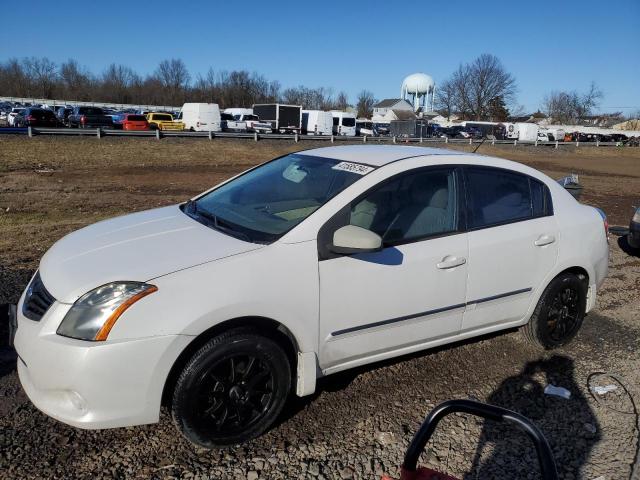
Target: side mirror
351, 239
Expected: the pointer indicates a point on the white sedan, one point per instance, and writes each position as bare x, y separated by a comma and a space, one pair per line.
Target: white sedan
312, 263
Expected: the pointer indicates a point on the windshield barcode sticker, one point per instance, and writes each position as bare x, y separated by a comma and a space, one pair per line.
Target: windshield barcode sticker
353, 168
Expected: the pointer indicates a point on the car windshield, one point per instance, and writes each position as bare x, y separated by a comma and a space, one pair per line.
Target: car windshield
265, 203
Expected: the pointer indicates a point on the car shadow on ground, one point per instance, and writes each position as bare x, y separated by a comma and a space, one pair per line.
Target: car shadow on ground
340, 381
570, 425
623, 243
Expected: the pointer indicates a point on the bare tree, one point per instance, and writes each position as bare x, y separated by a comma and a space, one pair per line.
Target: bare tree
589, 101
13, 79
174, 77
488, 81
117, 81
43, 74
474, 89
365, 104
76, 83
446, 98
342, 101
570, 107
310, 98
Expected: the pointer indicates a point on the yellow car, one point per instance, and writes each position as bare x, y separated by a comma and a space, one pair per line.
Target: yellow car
163, 121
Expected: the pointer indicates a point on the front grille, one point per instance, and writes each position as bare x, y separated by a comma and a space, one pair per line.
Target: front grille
37, 299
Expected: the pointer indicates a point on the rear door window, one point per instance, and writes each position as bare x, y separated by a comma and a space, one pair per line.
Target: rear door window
496, 196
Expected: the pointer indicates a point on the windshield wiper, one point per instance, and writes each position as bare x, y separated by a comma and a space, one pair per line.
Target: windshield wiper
192, 206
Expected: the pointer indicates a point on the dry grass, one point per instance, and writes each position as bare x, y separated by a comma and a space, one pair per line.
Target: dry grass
50, 186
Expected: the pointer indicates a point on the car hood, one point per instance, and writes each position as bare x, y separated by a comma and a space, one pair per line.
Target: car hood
136, 247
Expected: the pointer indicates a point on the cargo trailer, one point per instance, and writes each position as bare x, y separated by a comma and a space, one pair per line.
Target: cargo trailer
283, 118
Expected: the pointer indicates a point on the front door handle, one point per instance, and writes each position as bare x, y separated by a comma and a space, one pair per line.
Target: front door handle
544, 240
451, 261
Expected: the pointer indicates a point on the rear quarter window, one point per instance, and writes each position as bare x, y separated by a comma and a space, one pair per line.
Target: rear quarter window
496, 196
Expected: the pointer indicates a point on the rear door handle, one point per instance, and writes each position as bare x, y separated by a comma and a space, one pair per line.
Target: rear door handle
451, 261
544, 240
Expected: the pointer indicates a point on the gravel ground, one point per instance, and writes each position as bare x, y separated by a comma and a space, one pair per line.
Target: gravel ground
359, 423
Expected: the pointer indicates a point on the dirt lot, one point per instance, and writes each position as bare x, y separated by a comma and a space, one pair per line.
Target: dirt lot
358, 424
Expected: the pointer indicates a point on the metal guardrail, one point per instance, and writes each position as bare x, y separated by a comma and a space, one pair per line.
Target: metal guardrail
159, 134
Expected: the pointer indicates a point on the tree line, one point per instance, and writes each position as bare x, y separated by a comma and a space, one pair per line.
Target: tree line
479, 90
170, 83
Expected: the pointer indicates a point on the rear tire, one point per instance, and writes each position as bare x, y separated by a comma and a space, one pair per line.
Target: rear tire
559, 313
232, 389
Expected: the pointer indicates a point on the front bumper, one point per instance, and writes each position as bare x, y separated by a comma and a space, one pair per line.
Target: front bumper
93, 384
634, 235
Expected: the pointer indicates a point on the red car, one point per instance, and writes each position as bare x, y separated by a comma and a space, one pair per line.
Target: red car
135, 122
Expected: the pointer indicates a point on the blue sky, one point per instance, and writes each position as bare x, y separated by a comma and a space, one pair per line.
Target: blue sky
564, 44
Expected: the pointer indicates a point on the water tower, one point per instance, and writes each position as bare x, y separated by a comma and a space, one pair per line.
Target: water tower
419, 89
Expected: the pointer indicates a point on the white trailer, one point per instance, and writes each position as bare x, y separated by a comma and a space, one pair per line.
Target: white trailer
200, 117
317, 122
344, 123
525, 132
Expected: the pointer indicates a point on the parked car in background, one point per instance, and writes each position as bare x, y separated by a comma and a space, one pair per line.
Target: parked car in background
382, 128
310, 264
634, 230
117, 119
89, 117
365, 127
63, 115
225, 118
234, 125
460, 131
543, 136
11, 116
163, 121
132, 121
36, 117
253, 123
200, 117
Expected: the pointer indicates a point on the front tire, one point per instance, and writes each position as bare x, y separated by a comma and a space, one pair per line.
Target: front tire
559, 313
231, 390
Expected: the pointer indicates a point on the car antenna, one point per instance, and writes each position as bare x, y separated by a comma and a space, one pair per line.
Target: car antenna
480, 144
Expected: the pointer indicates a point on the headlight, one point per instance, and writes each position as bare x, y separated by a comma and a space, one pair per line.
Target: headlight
93, 315
636, 217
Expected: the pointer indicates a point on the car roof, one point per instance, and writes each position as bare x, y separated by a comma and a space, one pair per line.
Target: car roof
377, 155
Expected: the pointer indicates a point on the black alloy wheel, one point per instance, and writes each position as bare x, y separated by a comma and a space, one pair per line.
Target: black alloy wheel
559, 313
234, 393
232, 389
563, 314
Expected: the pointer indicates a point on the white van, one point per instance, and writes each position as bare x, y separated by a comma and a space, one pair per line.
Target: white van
200, 117
344, 123
317, 122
